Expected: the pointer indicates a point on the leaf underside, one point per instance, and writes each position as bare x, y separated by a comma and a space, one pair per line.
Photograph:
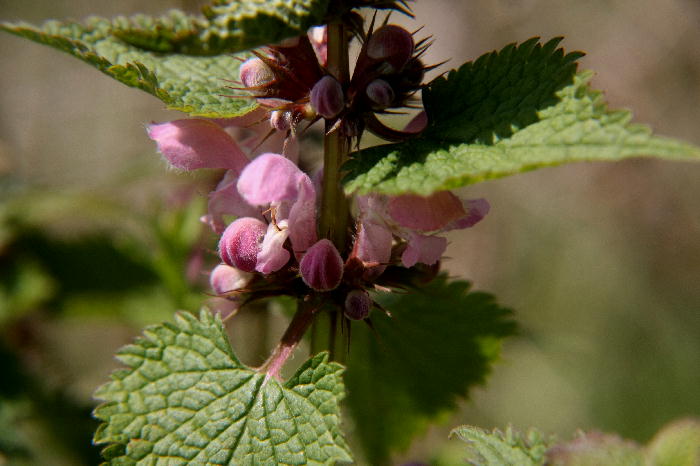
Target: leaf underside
519, 109
413, 366
185, 398
183, 60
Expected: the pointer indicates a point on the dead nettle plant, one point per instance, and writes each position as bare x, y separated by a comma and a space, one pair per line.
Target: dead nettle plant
357, 245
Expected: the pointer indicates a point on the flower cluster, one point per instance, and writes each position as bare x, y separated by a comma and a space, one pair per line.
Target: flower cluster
272, 247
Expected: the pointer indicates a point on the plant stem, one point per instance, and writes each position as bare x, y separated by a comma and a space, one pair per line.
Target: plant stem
335, 210
290, 340
334, 205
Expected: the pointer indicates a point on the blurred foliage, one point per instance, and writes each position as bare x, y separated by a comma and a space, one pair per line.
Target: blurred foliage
677, 444
601, 262
413, 363
79, 269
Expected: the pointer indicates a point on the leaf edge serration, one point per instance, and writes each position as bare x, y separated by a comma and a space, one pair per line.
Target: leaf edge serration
307, 383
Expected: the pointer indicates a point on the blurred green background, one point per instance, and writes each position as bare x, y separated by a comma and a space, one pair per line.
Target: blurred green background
600, 261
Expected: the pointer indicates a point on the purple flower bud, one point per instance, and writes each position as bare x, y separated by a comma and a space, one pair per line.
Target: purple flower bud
254, 73
357, 305
240, 243
327, 97
224, 279
393, 44
281, 120
380, 93
322, 267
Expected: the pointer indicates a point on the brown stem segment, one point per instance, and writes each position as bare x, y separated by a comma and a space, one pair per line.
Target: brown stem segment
290, 340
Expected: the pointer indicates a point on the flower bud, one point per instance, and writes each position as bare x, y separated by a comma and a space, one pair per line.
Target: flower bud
327, 97
254, 73
322, 267
393, 44
412, 75
281, 120
380, 93
357, 305
224, 279
241, 242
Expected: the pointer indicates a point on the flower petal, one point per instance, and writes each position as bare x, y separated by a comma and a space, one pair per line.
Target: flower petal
196, 143
476, 210
418, 123
373, 246
270, 178
240, 243
224, 279
321, 267
426, 213
302, 217
424, 249
273, 256
226, 200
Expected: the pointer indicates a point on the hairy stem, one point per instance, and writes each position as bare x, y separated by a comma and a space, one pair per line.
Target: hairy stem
334, 205
335, 210
290, 340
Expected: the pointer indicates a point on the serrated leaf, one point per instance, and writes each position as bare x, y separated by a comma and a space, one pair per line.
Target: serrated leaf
227, 26
519, 109
677, 444
412, 367
186, 399
195, 85
496, 448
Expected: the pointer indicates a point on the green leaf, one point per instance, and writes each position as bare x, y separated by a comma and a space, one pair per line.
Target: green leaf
195, 85
519, 109
509, 448
186, 399
227, 26
677, 444
594, 449
413, 366
183, 60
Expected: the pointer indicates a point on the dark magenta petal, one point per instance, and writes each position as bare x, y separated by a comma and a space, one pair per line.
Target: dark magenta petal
322, 267
240, 243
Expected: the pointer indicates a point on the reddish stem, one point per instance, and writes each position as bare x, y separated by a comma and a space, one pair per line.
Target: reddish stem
290, 340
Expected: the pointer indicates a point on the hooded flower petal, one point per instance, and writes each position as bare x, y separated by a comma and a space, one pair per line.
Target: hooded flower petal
273, 179
426, 213
424, 249
196, 143
270, 178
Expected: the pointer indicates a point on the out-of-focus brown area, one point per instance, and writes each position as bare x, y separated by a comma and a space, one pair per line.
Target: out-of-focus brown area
601, 262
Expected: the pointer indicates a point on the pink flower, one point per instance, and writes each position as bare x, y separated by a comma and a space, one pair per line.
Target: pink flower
276, 185
195, 143
417, 220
